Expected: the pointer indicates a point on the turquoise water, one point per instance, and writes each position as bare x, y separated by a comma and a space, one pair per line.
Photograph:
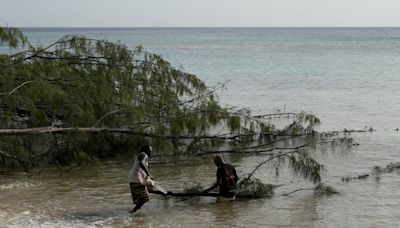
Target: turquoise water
348, 77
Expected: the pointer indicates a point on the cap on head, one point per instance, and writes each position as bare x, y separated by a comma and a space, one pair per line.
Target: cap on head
147, 149
218, 160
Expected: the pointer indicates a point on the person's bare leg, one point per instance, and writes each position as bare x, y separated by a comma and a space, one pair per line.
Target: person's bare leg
139, 204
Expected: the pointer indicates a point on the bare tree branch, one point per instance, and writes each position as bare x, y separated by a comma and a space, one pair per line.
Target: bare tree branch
16, 88
3, 154
277, 114
48, 150
47, 130
110, 113
262, 163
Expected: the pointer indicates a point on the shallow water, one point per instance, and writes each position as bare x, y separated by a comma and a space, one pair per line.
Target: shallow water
348, 77
100, 196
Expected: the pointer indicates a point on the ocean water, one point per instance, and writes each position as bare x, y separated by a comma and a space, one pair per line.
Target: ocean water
348, 77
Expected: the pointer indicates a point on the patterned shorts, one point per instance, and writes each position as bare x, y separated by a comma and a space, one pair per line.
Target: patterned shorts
139, 193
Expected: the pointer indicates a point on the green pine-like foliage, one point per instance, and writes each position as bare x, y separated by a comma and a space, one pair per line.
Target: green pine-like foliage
139, 97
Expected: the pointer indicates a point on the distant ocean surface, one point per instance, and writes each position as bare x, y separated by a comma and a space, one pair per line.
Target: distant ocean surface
348, 77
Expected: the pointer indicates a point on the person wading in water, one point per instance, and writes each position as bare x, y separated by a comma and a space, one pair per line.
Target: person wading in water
139, 178
226, 180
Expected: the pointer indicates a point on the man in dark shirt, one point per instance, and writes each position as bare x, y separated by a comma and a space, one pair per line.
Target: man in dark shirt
226, 180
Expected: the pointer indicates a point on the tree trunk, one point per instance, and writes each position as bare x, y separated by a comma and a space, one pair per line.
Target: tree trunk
192, 194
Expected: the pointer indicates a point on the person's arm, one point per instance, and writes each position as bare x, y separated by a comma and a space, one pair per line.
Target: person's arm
218, 183
212, 187
142, 164
236, 176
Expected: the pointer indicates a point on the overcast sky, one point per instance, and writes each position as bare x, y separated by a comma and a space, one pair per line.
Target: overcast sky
195, 13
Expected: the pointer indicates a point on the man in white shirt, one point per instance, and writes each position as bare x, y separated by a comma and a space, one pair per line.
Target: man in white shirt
139, 178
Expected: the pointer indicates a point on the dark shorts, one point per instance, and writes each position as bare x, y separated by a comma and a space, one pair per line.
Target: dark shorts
139, 193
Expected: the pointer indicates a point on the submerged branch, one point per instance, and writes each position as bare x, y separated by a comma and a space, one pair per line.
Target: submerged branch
358, 177
321, 189
193, 194
300, 189
184, 194
391, 167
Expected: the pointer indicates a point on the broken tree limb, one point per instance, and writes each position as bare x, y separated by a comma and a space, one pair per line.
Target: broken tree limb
51, 129
48, 130
61, 130
192, 194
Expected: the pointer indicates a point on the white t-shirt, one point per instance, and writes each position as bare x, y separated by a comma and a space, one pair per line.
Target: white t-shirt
137, 174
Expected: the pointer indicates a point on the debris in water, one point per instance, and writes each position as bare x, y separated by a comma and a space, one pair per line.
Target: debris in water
351, 178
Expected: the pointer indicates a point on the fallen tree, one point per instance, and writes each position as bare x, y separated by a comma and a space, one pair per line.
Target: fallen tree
254, 190
246, 188
79, 100
194, 194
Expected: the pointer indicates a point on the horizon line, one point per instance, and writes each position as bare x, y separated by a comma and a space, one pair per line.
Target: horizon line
183, 27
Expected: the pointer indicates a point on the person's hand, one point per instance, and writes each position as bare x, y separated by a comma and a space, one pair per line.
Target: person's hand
210, 188
150, 182
150, 187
